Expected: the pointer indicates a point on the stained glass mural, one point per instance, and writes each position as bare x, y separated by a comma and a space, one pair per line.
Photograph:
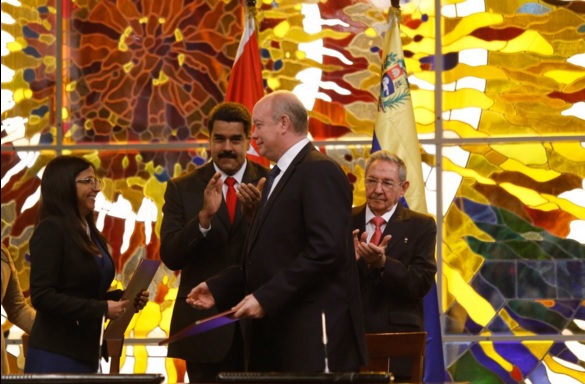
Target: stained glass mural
504, 158
512, 264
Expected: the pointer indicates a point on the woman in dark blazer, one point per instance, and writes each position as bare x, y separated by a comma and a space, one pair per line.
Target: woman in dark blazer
71, 272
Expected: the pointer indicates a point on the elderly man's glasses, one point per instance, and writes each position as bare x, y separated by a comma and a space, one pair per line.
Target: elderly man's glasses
387, 185
95, 183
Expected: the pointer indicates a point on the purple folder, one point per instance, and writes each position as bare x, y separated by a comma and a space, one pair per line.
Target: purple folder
204, 325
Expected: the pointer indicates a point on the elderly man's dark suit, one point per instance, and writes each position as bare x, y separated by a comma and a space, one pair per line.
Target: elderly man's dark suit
185, 249
299, 263
393, 299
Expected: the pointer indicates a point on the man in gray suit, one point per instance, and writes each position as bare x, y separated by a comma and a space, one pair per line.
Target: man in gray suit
299, 265
201, 235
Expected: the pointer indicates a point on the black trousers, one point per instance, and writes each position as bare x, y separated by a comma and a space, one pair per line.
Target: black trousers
232, 362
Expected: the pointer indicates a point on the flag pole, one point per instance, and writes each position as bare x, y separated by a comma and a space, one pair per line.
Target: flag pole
434, 364
251, 5
245, 84
394, 13
395, 130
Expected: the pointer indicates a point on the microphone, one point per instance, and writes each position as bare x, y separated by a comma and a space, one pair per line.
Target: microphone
325, 341
99, 370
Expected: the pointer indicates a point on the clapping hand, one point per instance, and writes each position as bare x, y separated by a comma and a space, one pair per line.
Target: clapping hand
373, 254
249, 196
212, 196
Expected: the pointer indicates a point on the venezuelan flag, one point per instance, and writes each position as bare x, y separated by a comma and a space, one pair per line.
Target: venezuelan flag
395, 131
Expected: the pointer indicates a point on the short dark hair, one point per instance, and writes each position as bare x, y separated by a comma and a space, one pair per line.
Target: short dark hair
230, 112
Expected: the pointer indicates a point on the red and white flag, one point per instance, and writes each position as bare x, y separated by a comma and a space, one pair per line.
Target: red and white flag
245, 85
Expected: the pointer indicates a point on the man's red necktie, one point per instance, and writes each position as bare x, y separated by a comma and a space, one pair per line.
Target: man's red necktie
230, 198
377, 236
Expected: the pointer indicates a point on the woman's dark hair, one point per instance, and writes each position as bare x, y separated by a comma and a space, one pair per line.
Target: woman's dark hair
59, 199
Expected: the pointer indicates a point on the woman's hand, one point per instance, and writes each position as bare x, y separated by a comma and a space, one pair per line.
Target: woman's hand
141, 300
116, 308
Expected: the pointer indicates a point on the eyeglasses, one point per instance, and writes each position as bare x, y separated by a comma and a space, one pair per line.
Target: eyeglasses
95, 183
387, 185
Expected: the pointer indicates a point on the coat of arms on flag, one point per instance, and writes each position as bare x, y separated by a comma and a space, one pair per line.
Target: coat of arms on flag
394, 85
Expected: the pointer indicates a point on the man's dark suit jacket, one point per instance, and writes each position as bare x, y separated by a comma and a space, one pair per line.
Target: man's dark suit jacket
393, 300
65, 290
185, 249
299, 263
